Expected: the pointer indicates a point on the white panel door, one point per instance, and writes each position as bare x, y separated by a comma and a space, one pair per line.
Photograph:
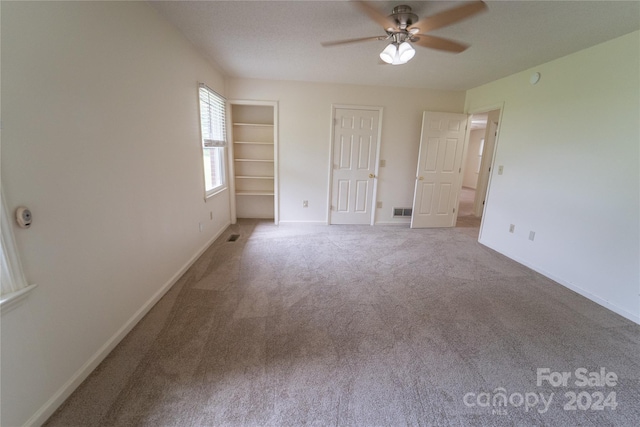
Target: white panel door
439, 166
355, 151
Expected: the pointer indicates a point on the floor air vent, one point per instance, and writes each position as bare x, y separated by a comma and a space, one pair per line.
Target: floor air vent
233, 238
402, 212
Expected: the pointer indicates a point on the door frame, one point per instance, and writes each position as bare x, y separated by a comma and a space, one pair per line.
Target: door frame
334, 107
483, 175
231, 163
484, 171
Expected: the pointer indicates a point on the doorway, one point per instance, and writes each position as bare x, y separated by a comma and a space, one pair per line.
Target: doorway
477, 167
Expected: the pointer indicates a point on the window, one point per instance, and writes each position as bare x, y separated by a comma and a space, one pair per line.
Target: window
14, 287
214, 139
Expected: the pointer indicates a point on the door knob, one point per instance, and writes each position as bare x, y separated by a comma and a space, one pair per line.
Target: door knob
371, 175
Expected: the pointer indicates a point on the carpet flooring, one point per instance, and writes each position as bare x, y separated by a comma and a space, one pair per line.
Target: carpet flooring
364, 326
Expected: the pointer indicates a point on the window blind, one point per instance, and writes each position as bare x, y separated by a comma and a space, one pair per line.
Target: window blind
212, 118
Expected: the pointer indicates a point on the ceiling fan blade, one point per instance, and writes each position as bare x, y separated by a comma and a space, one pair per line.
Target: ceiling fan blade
383, 20
361, 39
438, 43
449, 17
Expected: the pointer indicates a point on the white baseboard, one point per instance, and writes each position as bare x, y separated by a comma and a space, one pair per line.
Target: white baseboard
401, 222
81, 374
595, 298
304, 222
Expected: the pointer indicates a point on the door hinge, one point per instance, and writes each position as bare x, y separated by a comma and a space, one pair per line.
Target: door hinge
454, 210
459, 170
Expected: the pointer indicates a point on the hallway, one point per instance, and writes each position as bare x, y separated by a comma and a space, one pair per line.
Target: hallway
465, 209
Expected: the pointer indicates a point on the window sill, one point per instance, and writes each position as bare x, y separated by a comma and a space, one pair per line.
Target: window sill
12, 300
215, 193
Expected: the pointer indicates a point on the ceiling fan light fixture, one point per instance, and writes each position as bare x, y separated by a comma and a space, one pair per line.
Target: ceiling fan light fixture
405, 52
395, 54
389, 53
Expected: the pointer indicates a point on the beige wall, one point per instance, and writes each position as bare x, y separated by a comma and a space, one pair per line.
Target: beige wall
570, 151
305, 135
100, 139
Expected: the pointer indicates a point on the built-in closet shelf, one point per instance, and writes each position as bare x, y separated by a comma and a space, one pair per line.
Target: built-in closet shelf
254, 193
254, 124
254, 135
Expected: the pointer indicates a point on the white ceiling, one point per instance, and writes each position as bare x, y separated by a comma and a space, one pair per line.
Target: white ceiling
280, 40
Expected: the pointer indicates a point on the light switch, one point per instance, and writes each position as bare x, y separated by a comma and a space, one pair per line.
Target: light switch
500, 169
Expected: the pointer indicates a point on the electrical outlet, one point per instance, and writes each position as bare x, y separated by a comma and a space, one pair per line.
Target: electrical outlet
532, 235
305, 203
383, 163
500, 169
512, 228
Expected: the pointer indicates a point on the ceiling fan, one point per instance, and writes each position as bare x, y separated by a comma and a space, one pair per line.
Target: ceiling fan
403, 28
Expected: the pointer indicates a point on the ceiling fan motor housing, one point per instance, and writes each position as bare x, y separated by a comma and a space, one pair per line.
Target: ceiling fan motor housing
403, 16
